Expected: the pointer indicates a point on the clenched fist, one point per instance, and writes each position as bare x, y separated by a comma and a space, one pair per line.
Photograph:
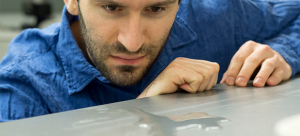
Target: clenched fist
187, 74
248, 58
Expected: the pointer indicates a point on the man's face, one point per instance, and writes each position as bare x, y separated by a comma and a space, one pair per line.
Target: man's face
124, 37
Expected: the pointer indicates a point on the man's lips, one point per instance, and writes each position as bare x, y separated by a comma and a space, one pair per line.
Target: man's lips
127, 60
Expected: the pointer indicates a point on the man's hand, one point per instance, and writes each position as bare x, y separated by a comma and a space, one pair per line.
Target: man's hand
187, 74
248, 58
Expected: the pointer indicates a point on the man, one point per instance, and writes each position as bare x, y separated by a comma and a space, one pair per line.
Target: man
107, 51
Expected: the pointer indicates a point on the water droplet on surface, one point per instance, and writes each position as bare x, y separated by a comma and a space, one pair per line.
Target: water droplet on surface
144, 126
136, 122
162, 125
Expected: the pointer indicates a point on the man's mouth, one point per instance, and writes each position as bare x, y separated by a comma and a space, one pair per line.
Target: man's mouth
127, 60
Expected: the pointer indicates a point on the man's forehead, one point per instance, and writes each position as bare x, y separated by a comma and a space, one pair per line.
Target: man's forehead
138, 3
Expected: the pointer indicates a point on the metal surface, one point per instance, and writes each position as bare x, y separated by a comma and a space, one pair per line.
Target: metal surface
251, 111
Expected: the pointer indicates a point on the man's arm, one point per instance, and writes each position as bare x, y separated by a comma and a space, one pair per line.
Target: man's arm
273, 23
17, 99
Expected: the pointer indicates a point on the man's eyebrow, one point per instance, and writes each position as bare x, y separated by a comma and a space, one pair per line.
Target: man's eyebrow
163, 3
110, 2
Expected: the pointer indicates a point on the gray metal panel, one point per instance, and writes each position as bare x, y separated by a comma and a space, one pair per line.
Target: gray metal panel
251, 111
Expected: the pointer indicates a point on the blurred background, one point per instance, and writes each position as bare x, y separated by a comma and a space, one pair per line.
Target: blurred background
17, 15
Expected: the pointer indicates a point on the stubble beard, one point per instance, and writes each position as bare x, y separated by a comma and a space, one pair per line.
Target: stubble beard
123, 75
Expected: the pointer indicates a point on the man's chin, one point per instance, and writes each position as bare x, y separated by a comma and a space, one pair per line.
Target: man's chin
125, 77
124, 81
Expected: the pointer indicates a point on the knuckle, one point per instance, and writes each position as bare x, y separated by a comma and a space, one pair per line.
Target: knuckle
238, 58
199, 79
250, 43
277, 58
269, 63
277, 78
216, 67
253, 59
174, 66
263, 75
265, 48
180, 59
232, 71
244, 73
209, 73
205, 73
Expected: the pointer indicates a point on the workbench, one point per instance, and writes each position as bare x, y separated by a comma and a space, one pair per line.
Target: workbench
222, 111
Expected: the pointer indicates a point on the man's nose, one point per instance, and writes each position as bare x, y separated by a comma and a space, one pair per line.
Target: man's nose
131, 33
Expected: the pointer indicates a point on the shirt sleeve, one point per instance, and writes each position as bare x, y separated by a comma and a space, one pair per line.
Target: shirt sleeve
272, 22
18, 100
287, 43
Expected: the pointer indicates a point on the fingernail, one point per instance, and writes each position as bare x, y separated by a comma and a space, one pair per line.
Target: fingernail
242, 81
230, 80
258, 81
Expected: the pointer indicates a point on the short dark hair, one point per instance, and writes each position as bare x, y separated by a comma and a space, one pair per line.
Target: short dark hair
178, 1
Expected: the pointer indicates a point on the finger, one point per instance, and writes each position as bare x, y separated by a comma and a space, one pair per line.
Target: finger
216, 68
276, 77
211, 64
224, 77
206, 71
223, 80
216, 81
251, 63
210, 79
205, 83
169, 81
267, 68
189, 80
237, 62
155, 87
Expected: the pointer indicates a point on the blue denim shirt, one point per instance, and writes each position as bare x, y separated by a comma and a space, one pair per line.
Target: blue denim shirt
44, 71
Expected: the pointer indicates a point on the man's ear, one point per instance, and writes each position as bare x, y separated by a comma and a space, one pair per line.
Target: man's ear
72, 6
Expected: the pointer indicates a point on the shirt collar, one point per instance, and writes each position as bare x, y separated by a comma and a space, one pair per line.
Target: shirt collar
181, 33
79, 72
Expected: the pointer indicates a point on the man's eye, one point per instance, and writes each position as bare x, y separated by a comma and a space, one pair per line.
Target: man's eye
156, 9
110, 7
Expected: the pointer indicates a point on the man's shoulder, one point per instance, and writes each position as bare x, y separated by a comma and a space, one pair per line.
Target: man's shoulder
32, 50
32, 42
210, 6
200, 13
